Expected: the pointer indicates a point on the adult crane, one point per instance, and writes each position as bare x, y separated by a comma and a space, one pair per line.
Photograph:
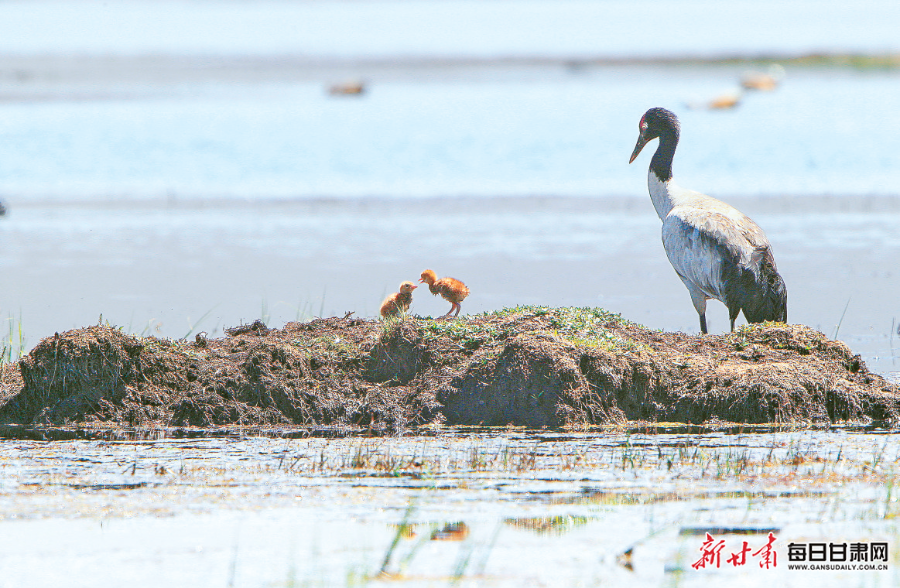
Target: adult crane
716, 250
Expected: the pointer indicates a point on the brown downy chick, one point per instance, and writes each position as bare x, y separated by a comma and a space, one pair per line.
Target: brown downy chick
450, 289
399, 301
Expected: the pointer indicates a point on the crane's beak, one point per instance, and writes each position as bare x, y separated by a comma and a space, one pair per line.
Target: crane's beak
637, 148
421, 281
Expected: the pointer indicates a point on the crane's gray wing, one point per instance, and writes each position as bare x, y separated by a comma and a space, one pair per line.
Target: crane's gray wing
704, 247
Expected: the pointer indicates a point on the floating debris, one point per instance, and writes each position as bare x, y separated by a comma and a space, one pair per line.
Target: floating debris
725, 101
451, 532
348, 88
764, 82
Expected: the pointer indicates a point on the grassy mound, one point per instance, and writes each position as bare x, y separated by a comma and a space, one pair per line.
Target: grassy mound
531, 366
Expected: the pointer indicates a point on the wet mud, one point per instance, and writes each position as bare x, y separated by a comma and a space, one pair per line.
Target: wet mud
531, 366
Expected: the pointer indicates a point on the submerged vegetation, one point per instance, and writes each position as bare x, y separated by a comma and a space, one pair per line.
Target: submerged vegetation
451, 506
464, 505
621, 468
766, 464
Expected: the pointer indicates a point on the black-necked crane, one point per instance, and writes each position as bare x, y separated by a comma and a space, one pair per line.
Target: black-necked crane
717, 251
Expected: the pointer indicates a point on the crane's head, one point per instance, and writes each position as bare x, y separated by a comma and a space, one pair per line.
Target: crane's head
428, 277
654, 123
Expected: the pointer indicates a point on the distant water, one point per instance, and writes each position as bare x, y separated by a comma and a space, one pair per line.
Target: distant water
822, 133
149, 130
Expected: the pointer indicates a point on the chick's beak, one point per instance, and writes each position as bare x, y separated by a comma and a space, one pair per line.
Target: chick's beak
637, 148
421, 281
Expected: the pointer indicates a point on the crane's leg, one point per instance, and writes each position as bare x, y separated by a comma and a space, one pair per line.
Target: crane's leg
458, 308
732, 314
699, 300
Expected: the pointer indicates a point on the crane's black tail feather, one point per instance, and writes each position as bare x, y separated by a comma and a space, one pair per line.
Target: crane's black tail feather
757, 291
769, 299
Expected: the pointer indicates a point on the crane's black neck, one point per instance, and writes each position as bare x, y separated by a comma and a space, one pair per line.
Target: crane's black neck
661, 164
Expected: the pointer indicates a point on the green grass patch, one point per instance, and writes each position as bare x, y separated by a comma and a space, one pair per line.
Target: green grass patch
12, 346
585, 327
467, 332
590, 327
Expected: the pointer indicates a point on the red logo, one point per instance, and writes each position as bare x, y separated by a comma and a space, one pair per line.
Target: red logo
712, 550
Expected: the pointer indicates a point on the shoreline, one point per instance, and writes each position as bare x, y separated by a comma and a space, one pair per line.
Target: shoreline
125, 67
96, 77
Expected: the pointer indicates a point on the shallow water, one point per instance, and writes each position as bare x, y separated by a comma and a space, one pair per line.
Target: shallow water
517, 508
189, 99
174, 271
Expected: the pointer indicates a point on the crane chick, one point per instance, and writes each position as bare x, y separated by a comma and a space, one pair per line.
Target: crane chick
398, 302
450, 289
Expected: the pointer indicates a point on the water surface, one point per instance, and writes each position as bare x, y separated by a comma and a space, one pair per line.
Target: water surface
506, 508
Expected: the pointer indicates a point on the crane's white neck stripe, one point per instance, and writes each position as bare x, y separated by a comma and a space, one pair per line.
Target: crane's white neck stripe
660, 194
